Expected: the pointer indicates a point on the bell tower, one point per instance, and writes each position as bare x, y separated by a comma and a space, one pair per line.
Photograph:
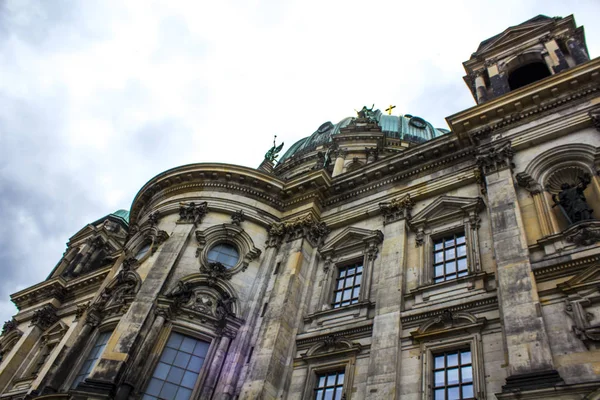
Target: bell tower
524, 54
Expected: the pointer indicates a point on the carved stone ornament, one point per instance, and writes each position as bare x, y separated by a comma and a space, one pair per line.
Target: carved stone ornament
396, 209
129, 263
181, 294
153, 218
526, 181
45, 317
300, 228
215, 271
584, 233
81, 309
496, 158
238, 217
480, 180
160, 238
595, 117
582, 328
420, 237
192, 212
8, 326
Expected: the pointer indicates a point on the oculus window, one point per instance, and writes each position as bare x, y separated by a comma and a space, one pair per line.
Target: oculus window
225, 254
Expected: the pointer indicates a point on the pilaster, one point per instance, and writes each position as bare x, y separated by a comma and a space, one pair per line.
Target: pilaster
530, 363
385, 355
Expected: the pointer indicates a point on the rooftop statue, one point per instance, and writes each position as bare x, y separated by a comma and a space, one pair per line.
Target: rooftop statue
366, 113
273, 151
572, 200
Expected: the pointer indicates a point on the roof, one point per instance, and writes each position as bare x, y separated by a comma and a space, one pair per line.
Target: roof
405, 127
539, 18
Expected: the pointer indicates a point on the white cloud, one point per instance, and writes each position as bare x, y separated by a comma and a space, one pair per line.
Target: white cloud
97, 97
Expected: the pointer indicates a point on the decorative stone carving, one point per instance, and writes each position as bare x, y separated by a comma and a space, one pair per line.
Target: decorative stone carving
160, 238
372, 154
81, 309
526, 181
164, 312
396, 209
181, 294
480, 180
215, 271
582, 328
44, 317
572, 200
595, 117
419, 237
153, 218
446, 322
192, 212
300, 228
496, 158
129, 263
584, 233
238, 217
8, 326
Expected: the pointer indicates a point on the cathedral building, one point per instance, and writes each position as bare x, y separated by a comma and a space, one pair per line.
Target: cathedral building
378, 258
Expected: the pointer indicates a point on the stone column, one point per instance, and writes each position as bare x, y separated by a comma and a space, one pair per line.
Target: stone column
215, 368
338, 167
480, 88
124, 340
237, 355
133, 377
383, 380
529, 355
268, 372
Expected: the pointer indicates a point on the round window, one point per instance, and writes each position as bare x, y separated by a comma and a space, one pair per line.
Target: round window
142, 252
225, 254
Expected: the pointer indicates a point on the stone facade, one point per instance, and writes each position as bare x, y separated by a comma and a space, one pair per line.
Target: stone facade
366, 264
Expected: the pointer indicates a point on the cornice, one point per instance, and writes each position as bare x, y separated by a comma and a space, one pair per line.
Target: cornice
414, 318
313, 337
518, 105
562, 268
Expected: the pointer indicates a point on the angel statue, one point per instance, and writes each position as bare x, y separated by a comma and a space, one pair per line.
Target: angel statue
572, 200
366, 113
274, 151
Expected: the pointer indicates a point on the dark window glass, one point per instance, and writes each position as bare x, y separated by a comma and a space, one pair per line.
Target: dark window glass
41, 360
347, 286
224, 253
330, 386
91, 358
449, 258
453, 375
178, 369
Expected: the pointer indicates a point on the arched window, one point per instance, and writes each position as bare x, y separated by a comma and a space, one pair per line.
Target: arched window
528, 73
225, 254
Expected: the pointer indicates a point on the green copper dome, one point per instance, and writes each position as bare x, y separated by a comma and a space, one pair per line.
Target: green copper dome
122, 214
405, 127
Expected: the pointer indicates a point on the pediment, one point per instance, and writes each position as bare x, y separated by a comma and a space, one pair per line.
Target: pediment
513, 33
447, 207
351, 237
588, 278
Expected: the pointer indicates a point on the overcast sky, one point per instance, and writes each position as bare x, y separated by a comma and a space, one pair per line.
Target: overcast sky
97, 97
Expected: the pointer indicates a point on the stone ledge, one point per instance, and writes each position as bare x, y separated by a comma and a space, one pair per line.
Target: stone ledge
532, 381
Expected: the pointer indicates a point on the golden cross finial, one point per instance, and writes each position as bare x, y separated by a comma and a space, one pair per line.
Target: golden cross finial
389, 109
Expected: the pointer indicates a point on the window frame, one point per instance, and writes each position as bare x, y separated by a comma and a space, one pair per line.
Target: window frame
443, 235
431, 348
323, 366
160, 345
459, 367
91, 343
336, 277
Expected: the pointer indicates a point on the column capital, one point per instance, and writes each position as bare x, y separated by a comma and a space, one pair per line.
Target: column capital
495, 158
595, 117
306, 227
397, 209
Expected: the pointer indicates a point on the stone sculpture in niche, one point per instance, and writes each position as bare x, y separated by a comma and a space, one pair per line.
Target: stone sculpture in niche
572, 200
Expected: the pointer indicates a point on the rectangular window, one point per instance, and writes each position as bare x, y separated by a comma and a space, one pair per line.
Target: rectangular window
91, 359
347, 285
178, 369
330, 386
453, 375
449, 258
